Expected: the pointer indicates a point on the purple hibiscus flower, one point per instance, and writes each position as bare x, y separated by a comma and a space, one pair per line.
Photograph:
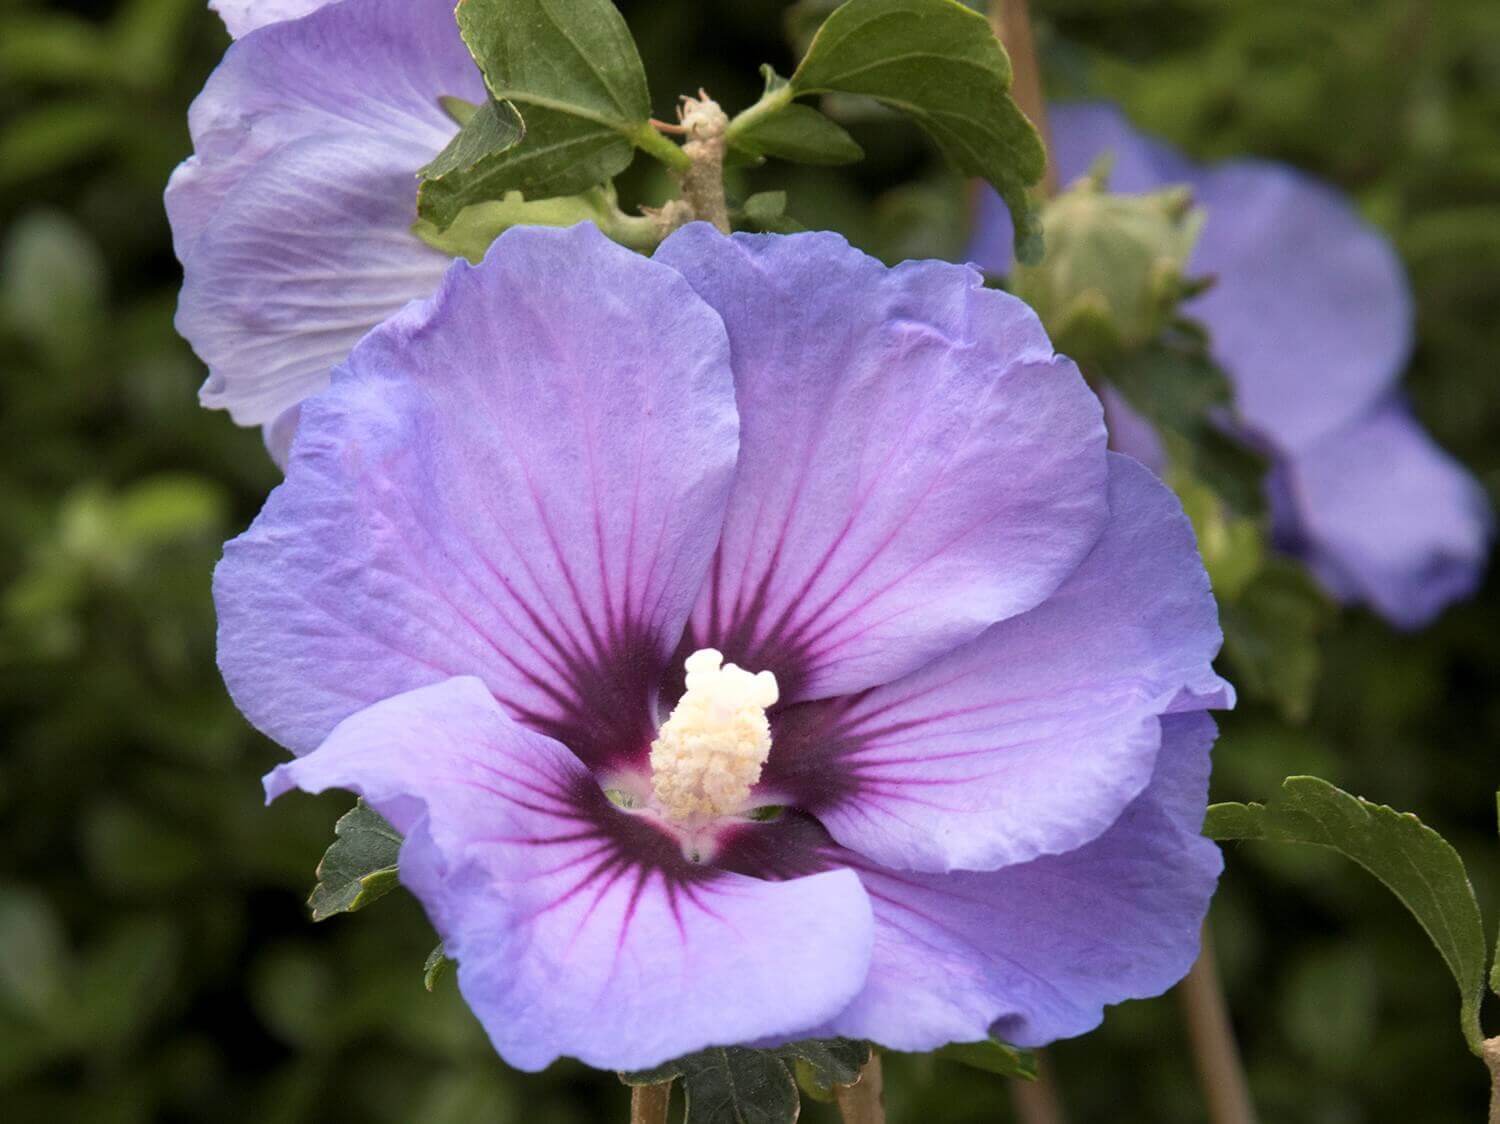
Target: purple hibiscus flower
292, 220
751, 643
1311, 317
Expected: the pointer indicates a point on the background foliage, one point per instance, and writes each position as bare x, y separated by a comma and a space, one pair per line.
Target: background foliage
156, 959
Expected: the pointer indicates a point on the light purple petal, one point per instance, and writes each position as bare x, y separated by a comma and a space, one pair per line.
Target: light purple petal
1385, 516
278, 435
1311, 315
1031, 739
243, 16
915, 463
1034, 953
579, 929
1130, 433
293, 217
522, 479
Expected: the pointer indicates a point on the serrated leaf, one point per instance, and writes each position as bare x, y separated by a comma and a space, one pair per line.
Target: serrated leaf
737, 1085
360, 865
1414, 862
940, 64
800, 134
435, 967
1271, 637
992, 1056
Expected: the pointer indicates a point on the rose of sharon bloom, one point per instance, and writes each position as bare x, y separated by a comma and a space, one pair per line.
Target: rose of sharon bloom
751, 643
1311, 317
292, 219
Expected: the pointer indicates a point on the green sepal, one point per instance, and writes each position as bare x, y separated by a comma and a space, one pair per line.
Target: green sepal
435, 967
472, 231
737, 1085
359, 867
1414, 862
939, 63
992, 1056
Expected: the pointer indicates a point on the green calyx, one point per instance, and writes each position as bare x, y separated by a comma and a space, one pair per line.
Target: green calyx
1113, 274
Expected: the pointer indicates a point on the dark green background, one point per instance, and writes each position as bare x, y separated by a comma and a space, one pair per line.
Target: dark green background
156, 960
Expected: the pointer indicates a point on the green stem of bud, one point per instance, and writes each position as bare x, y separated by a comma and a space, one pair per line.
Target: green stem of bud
652, 143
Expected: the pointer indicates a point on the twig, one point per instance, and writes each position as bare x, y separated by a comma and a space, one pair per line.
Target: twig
1038, 1102
864, 1101
648, 1103
1492, 1059
1220, 1072
1011, 20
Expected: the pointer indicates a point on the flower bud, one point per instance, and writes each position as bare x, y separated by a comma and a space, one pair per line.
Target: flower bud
1113, 273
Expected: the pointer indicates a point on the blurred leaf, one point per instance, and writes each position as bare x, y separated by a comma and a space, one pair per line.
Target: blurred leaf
1271, 636
992, 1056
125, 981
736, 1085
52, 284
33, 964
939, 63
359, 867
1414, 862
131, 852
766, 210
50, 137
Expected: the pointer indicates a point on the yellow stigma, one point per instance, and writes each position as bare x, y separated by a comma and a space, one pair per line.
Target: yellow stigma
708, 754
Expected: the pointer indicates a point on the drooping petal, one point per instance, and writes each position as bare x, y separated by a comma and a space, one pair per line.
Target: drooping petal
243, 16
293, 217
580, 929
1385, 516
915, 462
1030, 740
522, 479
1310, 314
1033, 953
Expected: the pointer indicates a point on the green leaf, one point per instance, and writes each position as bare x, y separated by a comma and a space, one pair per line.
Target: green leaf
487, 131
560, 155
940, 64
571, 71
435, 967
992, 1056
737, 1085
766, 210
572, 56
1414, 862
1271, 636
359, 867
800, 134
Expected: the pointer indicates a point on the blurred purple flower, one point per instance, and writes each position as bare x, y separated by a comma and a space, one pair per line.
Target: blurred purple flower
293, 217
1311, 316
961, 794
